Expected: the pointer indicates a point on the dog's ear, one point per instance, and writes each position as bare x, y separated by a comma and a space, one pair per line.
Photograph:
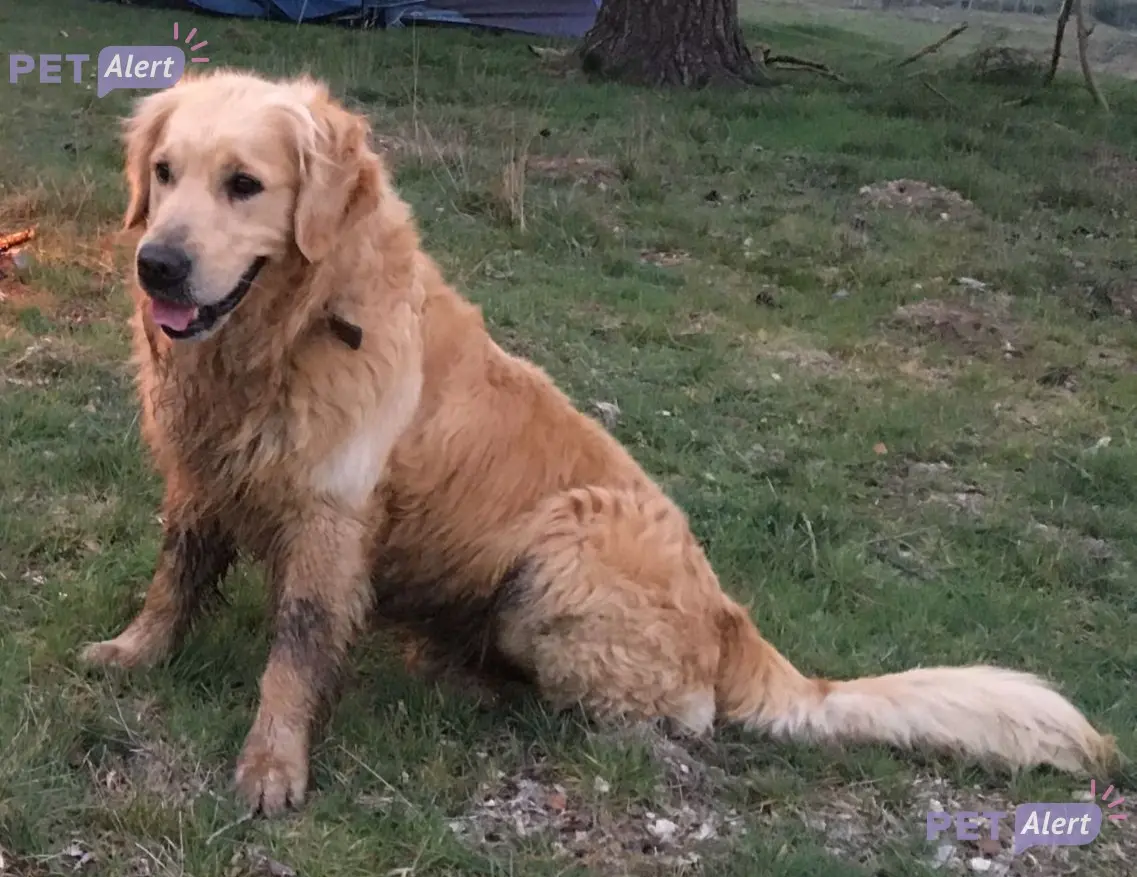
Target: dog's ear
140, 133
341, 179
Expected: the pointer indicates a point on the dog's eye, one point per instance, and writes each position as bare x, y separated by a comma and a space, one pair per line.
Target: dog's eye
243, 186
162, 172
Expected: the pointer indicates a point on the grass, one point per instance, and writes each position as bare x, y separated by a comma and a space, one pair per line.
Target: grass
904, 439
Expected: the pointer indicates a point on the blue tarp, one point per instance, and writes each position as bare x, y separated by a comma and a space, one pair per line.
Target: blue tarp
561, 18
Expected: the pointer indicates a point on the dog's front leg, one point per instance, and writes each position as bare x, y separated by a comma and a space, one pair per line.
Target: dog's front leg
195, 555
322, 595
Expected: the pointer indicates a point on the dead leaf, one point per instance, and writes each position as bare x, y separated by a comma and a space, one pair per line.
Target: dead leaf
880, 449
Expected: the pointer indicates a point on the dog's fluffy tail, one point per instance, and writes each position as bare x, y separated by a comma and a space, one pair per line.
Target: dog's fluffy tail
985, 713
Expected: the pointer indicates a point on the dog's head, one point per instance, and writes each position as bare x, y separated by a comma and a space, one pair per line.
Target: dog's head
229, 172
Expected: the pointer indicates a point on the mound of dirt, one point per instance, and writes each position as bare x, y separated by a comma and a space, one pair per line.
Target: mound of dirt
981, 329
918, 197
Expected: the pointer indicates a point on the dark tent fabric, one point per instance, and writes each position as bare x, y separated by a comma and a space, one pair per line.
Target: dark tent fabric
557, 18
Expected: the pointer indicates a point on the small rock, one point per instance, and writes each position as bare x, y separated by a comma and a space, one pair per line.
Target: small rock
978, 864
1102, 442
601, 785
972, 283
664, 829
840, 294
943, 853
609, 413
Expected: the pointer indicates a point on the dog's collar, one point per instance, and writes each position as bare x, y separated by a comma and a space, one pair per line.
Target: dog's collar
208, 315
349, 333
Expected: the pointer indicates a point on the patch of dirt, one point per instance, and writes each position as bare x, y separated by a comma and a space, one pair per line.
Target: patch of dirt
1090, 546
1109, 163
134, 764
919, 197
155, 767
101, 261
421, 144
858, 825
665, 258
865, 822
977, 328
936, 482
12, 865
19, 209
1110, 359
599, 172
924, 374
809, 359
1119, 298
40, 365
699, 323
676, 830
797, 354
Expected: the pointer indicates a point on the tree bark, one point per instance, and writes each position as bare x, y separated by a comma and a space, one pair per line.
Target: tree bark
690, 43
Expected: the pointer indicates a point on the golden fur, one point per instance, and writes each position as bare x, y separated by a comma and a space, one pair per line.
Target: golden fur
438, 484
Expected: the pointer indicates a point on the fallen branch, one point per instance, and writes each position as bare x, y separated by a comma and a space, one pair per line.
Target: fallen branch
1056, 55
947, 100
789, 62
934, 47
546, 54
1083, 56
15, 239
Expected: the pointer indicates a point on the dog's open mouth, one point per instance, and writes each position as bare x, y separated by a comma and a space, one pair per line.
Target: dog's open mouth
186, 321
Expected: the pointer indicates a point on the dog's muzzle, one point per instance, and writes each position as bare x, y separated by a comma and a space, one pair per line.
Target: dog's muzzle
182, 320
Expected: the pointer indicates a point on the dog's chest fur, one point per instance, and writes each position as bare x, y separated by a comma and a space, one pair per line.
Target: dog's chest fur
258, 448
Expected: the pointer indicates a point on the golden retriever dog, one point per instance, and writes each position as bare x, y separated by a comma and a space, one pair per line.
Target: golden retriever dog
316, 396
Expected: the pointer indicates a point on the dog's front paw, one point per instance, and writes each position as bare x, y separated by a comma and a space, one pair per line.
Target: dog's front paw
146, 640
272, 773
124, 652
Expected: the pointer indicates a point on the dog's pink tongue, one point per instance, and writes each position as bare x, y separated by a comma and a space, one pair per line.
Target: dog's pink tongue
175, 317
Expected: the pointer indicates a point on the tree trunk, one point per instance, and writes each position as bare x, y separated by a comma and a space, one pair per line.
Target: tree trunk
670, 42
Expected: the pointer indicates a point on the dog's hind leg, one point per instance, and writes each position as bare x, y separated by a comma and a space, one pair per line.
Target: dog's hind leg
613, 609
195, 555
319, 576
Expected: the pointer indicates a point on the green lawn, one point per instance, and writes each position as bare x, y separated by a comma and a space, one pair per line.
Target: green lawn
904, 432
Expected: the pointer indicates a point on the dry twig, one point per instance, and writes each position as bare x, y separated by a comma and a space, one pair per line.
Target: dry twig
1056, 55
1083, 55
934, 47
947, 100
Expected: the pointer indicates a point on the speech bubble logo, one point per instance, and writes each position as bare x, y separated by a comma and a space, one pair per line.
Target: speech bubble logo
1055, 825
139, 67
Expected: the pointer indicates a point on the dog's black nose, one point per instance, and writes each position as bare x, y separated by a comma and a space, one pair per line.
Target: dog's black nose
161, 268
